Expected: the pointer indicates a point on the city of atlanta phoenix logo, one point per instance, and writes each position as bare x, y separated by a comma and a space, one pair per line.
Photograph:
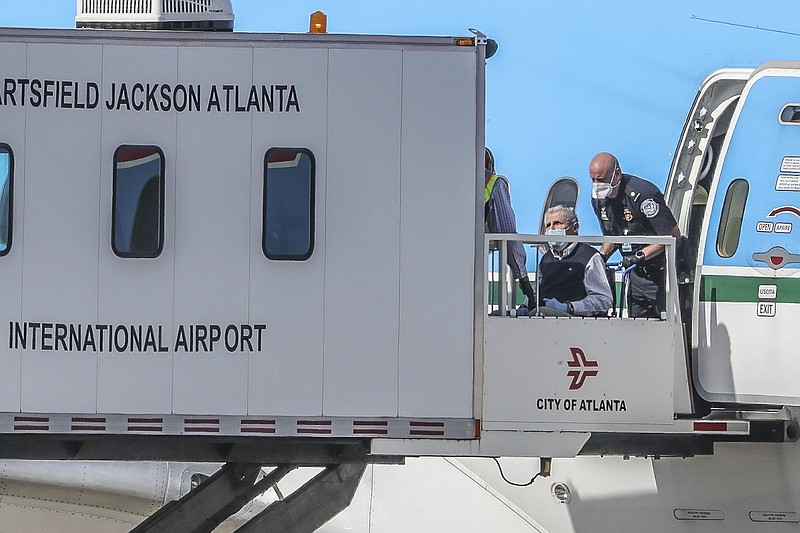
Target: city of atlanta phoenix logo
580, 368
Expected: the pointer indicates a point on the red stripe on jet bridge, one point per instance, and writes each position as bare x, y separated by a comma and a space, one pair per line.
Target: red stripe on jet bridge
90, 420
370, 427
201, 421
711, 426
258, 426
427, 424
87, 428
32, 423
427, 432
313, 431
201, 425
258, 430
146, 428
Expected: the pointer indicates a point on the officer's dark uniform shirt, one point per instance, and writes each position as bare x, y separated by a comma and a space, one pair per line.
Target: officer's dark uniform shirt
637, 209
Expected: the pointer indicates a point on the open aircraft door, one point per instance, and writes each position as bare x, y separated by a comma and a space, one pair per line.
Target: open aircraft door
563, 191
746, 296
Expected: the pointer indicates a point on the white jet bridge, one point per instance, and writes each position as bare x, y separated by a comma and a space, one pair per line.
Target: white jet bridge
232, 248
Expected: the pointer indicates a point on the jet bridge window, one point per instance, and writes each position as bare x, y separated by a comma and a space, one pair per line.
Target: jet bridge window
138, 204
730, 223
288, 223
6, 189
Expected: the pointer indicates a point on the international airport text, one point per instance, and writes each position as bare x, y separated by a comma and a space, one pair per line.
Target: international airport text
110, 338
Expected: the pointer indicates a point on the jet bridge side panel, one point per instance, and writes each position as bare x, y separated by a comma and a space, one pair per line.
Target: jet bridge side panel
437, 246
61, 217
213, 177
12, 133
580, 374
288, 293
362, 259
358, 341
130, 288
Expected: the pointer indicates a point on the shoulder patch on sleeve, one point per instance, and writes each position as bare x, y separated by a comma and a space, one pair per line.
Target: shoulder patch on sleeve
650, 208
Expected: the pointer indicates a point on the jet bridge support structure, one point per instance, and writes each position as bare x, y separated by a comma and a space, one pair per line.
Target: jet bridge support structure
313, 504
206, 506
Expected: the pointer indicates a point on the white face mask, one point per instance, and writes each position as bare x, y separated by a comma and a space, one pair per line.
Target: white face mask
557, 246
600, 191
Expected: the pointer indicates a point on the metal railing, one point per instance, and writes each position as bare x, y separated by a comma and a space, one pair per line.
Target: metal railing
498, 280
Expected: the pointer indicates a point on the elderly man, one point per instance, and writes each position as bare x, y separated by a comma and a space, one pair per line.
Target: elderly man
628, 205
572, 276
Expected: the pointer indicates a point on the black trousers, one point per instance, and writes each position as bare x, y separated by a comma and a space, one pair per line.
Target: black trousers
647, 294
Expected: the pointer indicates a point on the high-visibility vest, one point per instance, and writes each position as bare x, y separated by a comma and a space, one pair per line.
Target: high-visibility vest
491, 181
488, 188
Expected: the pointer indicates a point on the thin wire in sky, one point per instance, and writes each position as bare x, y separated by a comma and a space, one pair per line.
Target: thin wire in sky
747, 26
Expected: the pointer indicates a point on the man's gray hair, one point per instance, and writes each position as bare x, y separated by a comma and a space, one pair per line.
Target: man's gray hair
571, 217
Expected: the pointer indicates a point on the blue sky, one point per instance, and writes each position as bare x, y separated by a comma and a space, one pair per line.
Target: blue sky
571, 77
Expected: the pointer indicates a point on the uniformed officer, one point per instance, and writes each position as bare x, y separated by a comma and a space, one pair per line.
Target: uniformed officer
628, 205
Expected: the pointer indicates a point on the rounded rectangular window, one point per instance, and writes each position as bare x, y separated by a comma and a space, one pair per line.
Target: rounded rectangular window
730, 223
138, 204
790, 114
288, 223
6, 197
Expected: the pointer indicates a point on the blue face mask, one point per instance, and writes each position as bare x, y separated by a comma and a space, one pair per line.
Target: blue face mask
557, 246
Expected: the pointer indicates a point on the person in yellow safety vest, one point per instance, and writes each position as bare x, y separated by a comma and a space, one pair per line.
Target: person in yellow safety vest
499, 218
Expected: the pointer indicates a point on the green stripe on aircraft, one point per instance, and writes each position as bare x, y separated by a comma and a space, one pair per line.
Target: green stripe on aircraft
745, 289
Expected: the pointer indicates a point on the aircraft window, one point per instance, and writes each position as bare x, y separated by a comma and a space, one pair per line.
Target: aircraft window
138, 205
6, 204
790, 114
288, 230
730, 223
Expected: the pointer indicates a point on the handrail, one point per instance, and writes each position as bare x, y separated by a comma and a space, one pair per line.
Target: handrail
625, 274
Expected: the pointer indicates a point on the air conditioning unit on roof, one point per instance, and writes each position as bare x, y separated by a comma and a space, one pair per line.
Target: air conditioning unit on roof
204, 15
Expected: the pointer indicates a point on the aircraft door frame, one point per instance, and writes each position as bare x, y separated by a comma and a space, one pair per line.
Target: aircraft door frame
734, 343
558, 194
